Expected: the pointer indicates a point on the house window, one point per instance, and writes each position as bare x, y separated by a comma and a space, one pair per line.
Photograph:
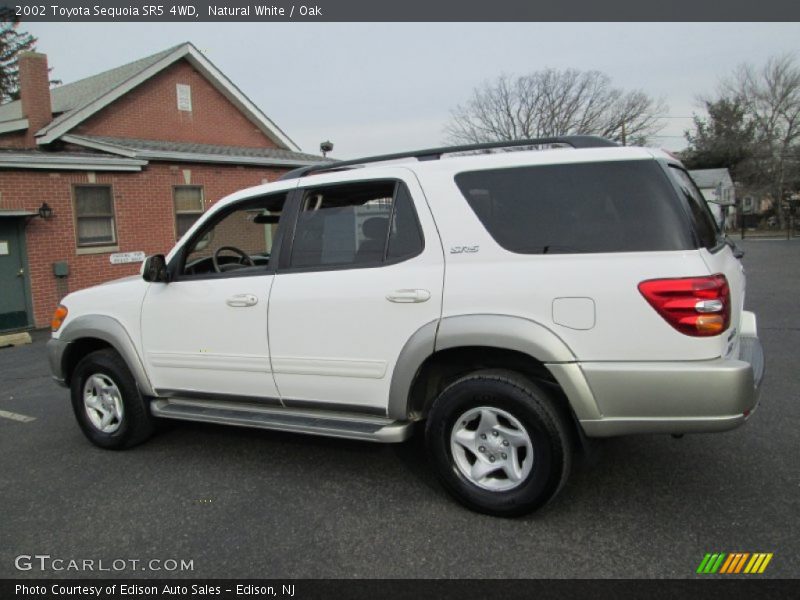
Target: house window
188, 207
184, 97
94, 215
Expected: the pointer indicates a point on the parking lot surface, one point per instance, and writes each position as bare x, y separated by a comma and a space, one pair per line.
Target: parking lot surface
241, 503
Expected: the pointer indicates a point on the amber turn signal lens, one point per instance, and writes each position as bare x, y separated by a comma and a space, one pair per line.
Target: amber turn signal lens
58, 317
710, 324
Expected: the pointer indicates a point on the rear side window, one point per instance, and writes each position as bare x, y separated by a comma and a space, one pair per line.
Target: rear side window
405, 237
620, 206
704, 224
356, 225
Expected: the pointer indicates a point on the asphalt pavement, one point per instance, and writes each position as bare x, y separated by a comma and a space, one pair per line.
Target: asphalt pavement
241, 503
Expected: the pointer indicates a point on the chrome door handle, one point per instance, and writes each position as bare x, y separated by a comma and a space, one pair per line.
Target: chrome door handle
405, 296
21, 272
242, 300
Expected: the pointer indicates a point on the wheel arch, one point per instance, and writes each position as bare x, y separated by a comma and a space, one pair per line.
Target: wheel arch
88, 333
441, 351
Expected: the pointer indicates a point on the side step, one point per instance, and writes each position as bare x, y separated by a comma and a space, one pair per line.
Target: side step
330, 424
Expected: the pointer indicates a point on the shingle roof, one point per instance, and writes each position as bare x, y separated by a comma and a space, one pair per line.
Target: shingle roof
75, 102
68, 97
711, 178
165, 150
85, 90
10, 111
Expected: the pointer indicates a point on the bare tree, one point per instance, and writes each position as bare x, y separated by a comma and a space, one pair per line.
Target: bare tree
551, 103
770, 96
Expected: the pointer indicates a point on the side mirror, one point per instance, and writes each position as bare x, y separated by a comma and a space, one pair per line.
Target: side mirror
155, 269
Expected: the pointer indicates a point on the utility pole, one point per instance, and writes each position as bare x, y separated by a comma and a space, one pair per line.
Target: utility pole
741, 214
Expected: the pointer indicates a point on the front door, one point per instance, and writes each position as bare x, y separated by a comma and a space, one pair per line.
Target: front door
364, 274
205, 332
13, 299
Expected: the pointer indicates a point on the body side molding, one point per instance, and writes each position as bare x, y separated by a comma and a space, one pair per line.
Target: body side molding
266, 401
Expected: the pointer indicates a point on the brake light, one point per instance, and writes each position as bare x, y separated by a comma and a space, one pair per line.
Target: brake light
58, 317
696, 306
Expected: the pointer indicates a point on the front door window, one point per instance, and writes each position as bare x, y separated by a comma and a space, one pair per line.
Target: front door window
239, 240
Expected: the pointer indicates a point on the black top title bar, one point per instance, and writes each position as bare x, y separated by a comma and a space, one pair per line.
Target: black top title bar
404, 10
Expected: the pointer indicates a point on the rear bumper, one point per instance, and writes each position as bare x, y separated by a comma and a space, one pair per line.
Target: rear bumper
675, 397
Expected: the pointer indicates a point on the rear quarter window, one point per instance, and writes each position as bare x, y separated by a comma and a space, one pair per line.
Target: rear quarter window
704, 224
616, 206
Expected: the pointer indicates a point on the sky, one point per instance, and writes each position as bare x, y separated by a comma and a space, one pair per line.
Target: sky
374, 88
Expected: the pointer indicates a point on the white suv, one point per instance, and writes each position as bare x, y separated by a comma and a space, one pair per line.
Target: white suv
514, 301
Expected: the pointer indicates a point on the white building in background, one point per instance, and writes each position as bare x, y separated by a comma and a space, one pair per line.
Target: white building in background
718, 190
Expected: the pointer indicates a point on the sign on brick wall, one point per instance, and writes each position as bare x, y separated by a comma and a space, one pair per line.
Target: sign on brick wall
120, 258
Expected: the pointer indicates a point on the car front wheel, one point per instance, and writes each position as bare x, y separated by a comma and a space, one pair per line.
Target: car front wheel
106, 401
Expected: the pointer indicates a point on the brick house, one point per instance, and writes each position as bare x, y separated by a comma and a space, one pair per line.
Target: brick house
95, 173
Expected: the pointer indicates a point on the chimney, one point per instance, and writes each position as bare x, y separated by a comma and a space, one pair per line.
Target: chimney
34, 92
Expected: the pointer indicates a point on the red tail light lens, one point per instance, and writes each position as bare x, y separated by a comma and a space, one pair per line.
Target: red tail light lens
697, 306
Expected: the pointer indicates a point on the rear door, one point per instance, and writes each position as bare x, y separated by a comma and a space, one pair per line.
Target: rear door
717, 254
361, 274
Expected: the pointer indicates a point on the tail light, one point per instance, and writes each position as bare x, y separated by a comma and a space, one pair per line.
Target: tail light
58, 317
696, 306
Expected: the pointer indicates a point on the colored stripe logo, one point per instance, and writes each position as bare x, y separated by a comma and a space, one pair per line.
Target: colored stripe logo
734, 562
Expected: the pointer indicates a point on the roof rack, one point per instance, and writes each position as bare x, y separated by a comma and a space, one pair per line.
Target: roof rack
576, 141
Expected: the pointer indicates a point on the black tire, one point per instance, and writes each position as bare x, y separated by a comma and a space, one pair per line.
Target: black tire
535, 411
135, 425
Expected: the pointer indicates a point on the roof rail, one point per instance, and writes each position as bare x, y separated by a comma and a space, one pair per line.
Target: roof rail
576, 141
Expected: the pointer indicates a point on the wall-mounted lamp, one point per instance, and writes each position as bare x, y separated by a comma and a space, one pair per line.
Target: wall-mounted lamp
45, 211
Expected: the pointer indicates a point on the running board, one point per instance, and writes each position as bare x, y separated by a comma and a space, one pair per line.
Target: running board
316, 422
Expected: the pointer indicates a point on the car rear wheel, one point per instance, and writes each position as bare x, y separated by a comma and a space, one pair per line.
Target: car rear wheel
499, 443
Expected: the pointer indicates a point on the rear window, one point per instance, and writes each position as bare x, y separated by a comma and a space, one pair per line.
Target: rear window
619, 206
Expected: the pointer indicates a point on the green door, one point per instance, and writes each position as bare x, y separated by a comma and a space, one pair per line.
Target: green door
13, 300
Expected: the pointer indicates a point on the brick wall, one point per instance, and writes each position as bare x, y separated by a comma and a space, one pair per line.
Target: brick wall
15, 140
34, 84
150, 111
144, 219
34, 89
239, 230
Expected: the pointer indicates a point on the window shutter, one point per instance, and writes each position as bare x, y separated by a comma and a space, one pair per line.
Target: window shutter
184, 97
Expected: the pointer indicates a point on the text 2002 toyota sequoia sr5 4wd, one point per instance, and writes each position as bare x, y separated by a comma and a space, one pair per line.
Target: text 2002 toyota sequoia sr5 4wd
513, 301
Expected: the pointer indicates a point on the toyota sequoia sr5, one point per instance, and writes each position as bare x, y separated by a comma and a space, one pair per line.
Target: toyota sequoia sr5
510, 303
